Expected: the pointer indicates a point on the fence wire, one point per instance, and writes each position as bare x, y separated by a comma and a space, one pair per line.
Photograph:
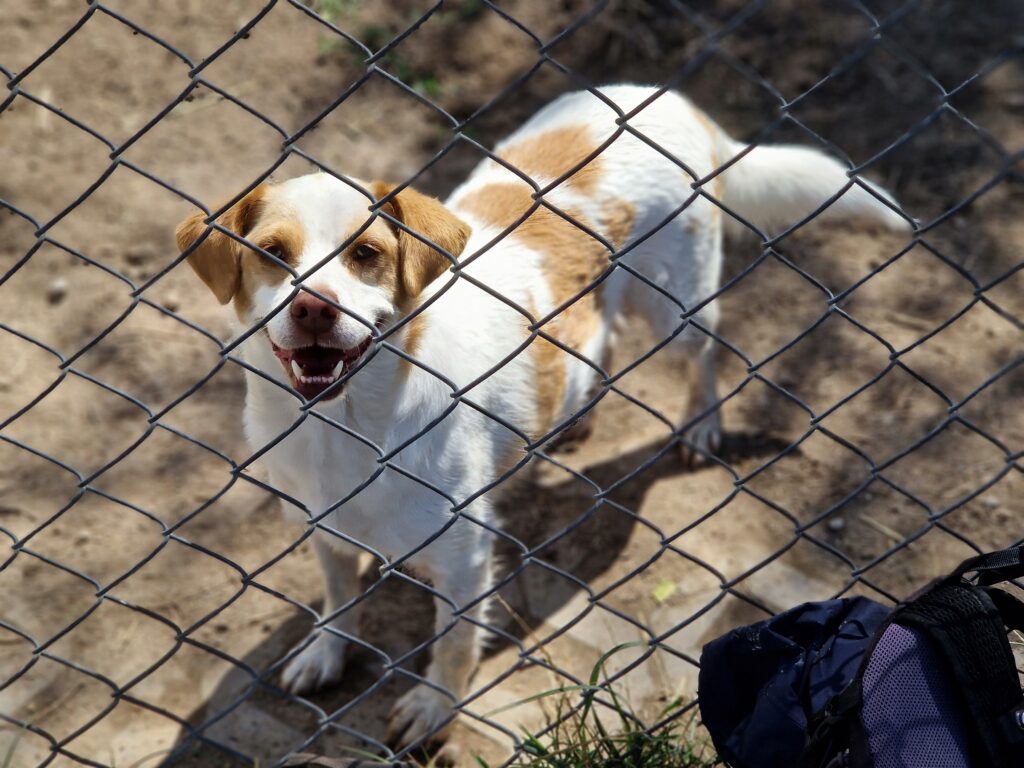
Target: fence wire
713, 28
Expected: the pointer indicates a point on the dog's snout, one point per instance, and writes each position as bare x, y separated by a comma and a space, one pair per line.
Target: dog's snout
312, 313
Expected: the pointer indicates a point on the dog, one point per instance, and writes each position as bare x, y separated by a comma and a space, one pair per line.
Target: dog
440, 342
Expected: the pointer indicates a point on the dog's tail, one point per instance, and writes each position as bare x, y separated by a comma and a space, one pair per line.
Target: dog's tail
773, 186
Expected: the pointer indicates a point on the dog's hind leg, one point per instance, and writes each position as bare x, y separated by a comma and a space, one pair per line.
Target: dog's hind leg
322, 662
695, 349
704, 437
683, 260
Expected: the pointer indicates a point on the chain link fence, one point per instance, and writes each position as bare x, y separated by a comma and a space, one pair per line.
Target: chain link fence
870, 381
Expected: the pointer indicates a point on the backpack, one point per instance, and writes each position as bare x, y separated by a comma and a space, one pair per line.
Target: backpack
851, 684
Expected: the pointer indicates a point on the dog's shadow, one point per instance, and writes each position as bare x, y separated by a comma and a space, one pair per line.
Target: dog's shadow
571, 535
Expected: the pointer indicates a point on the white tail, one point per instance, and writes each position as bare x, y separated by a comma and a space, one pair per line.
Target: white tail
779, 185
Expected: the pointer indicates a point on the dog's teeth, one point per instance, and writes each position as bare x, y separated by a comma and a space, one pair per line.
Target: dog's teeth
296, 370
338, 369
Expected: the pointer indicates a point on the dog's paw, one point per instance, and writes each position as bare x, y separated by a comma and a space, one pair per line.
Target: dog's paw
420, 716
318, 665
703, 440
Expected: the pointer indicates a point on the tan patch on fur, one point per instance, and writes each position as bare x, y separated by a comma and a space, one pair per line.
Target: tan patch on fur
383, 269
572, 261
216, 260
510, 453
550, 384
420, 264
556, 152
500, 204
276, 228
716, 189
410, 265
549, 379
617, 217
229, 268
705, 121
414, 335
716, 192
714, 132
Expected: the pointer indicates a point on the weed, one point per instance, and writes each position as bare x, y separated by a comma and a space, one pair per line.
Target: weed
581, 738
9, 757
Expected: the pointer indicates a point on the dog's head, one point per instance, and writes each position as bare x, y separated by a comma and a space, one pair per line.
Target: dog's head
376, 277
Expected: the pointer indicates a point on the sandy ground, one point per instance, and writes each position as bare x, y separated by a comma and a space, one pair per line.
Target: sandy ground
90, 482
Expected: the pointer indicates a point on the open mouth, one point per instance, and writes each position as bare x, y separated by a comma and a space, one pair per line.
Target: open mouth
311, 370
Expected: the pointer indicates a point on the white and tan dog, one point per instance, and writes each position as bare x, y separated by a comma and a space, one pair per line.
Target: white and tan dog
319, 340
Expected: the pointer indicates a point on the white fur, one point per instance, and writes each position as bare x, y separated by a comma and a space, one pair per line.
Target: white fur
468, 332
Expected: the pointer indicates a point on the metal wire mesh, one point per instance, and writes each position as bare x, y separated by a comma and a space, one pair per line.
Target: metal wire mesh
852, 530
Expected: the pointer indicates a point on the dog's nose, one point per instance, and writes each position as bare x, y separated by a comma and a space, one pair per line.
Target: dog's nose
312, 313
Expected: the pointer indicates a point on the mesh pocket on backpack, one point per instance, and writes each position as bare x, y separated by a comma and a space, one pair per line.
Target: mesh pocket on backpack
911, 717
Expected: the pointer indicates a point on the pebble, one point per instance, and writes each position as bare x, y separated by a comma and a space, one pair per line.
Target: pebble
139, 256
170, 302
57, 290
836, 524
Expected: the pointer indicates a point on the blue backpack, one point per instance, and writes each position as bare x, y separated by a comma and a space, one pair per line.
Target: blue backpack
852, 684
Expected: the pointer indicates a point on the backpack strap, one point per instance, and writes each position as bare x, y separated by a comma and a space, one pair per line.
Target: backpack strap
835, 734
829, 731
966, 624
993, 567
1010, 608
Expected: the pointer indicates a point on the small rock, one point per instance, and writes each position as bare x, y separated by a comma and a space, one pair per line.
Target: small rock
836, 524
57, 290
171, 302
139, 256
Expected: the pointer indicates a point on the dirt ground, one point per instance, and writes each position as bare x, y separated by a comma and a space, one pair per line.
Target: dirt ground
122, 574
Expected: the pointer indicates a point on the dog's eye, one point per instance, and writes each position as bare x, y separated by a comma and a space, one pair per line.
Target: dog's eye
364, 252
275, 251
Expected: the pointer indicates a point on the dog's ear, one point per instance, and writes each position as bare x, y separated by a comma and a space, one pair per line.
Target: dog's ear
217, 260
419, 263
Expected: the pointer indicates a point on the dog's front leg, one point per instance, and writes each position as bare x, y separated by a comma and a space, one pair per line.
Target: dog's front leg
425, 712
322, 662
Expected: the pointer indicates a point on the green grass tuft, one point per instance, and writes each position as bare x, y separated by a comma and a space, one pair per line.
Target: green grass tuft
9, 757
332, 10
581, 738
